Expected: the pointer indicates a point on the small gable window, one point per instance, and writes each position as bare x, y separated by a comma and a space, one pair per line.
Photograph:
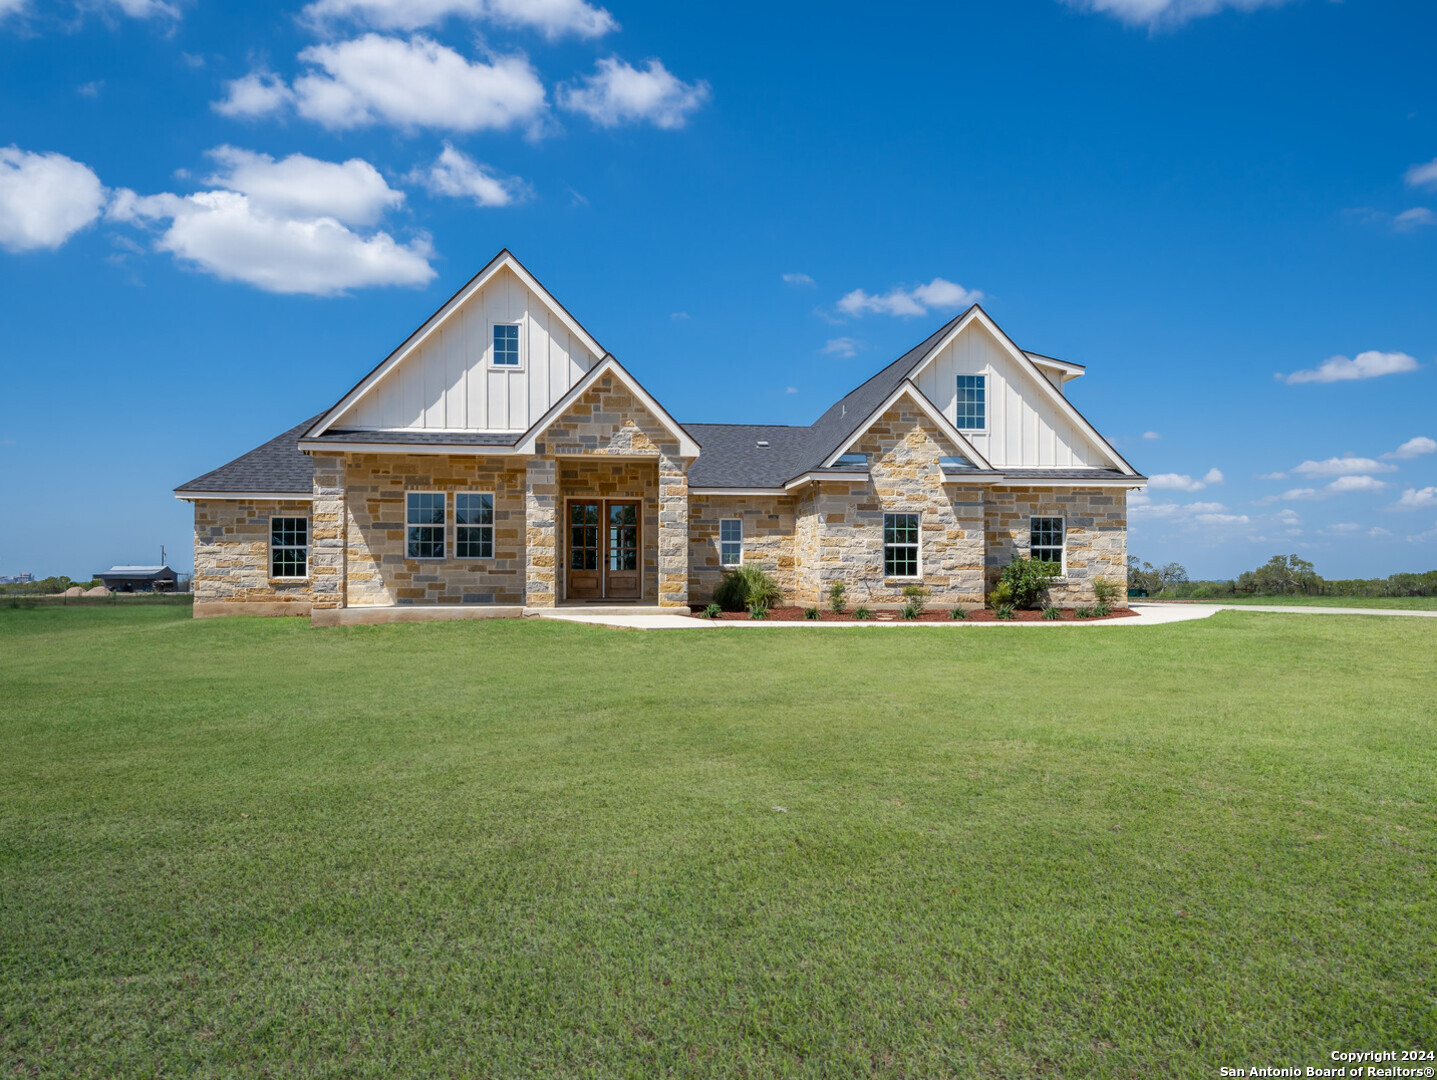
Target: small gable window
289, 547
506, 344
900, 545
952, 464
424, 525
852, 461
1045, 540
474, 525
731, 542
972, 402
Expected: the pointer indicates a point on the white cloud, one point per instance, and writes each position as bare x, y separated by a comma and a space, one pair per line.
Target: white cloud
1378, 530
1344, 527
456, 173
1346, 484
842, 346
146, 9
1271, 476
1422, 175
1151, 435
791, 390
299, 186
1221, 519
45, 199
415, 83
1414, 219
1414, 447
1161, 13
1423, 537
1416, 499
259, 93
797, 279
679, 316
1183, 482
617, 93
283, 226
1142, 506
938, 293
1367, 365
1341, 466
12, 7
552, 18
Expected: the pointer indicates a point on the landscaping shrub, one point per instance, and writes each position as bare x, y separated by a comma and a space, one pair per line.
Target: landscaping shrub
1003, 611
913, 599
1103, 609
863, 614
1001, 594
713, 611
745, 587
1105, 590
958, 613
757, 611
810, 613
1084, 613
1052, 613
1028, 580
838, 597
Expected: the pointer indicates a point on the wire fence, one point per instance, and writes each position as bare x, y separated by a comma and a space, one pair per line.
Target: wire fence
17, 599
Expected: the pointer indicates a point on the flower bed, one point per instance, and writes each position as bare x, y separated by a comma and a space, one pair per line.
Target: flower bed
795, 614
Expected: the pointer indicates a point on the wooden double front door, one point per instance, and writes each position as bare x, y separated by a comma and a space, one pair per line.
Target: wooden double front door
604, 556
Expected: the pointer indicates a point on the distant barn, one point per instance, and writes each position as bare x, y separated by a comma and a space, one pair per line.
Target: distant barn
139, 579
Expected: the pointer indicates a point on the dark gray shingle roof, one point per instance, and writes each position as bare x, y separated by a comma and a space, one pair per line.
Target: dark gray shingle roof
732, 457
278, 465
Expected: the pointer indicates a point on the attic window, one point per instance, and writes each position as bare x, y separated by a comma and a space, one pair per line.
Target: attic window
856, 461
972, 402
506, 345
949, 464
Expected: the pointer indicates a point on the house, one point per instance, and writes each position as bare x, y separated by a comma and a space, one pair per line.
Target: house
138, 579
502, 460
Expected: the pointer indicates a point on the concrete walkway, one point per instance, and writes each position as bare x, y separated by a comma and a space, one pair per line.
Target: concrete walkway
1147, 615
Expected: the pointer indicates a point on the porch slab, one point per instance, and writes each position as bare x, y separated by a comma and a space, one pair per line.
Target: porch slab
406, 613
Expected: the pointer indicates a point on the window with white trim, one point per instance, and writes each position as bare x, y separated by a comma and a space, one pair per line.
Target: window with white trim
506, 345
858, 461
424, 521
731, 542
900, 545
1045, 540
289, 547
474, 525
972, 402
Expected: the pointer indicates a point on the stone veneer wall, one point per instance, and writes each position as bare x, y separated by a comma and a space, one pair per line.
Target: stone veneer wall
596, 478
839, 534
232, 559
1096, 543
768, 539
607, 420
379, 570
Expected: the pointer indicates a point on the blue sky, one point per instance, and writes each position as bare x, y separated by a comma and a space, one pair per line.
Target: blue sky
1192, 197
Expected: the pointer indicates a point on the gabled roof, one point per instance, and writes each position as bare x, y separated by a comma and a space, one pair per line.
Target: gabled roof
505, 260
907, 389
688, 447
274, 467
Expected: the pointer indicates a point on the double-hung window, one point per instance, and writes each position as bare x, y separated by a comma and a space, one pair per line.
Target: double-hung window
424, 523
1045, 540
289, 547
972, 402
474, 525
731, 542
506, 345
900, 545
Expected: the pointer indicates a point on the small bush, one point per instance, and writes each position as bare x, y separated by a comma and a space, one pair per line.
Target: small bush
1001, 594
746, 586
1028, 580
1084, 613
1052, 613
1103, 610
1003, 611
810, 613
838, 597
957, 613
1105, 590
713, 611
913, 599
757, 611
863, 614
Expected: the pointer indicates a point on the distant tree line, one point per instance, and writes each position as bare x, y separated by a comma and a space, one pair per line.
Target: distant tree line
1281, 575
45, 586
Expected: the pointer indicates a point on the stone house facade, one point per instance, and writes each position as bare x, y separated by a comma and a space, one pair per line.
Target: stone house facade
501, 461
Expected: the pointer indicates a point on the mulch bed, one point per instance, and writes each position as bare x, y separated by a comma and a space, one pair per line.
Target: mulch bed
795, 614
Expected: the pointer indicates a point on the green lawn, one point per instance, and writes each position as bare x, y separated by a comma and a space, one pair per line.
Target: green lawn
242, 847
1398, 603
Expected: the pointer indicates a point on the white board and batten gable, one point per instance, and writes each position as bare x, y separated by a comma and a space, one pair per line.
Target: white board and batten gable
1029, 424
444, 377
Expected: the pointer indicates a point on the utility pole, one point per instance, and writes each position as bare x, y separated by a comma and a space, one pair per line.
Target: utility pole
162, 555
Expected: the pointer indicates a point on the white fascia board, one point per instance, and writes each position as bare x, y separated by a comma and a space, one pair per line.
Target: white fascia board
1069, 482
360, 447
910, 388
1070, 371
1045, 386
819, 477
737, 491
245, 496
504, 260
687, 446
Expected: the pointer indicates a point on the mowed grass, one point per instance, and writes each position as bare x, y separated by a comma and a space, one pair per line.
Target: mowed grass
247, 847
1390, 603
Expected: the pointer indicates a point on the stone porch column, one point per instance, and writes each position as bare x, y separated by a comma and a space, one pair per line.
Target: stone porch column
326, 529
541, 496
673, 532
